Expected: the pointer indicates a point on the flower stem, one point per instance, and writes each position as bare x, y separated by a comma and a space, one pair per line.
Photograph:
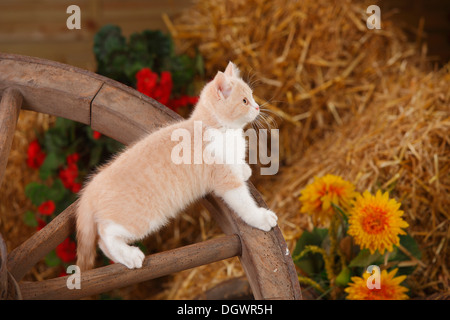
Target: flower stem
310, 282
326, 258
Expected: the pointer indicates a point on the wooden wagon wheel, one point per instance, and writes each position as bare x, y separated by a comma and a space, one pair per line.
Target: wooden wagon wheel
125, 115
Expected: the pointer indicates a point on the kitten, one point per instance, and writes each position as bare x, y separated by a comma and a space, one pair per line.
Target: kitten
142, 188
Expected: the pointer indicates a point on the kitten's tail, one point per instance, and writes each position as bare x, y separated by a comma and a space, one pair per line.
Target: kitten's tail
86, 235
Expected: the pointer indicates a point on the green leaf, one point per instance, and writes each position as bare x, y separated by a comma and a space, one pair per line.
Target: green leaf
54, 140
142, 247
364, 259
51, 163
311, 263
412, 247
183, 70
160, 46
132, 67
315, 238
36, 192
57, 191
120, 60
200, 65
65, 202
410, 244
95, 156
341, 212
52, 260
111, 52
64, 125
343, 278
113, 146
30, 219
108, 40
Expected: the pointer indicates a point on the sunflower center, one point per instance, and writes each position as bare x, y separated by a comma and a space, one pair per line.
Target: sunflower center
374, 219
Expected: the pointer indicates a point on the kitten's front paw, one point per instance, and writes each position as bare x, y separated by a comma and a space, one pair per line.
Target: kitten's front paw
133, 258
266, 219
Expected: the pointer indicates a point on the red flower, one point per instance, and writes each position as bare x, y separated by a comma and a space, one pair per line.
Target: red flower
34, 148
73, 158
182, 102
96, 135
63, 273
66, 251
35, 155
47, 208
76, 187
193, 100
41, 224
147, 83
69, 175
165, 86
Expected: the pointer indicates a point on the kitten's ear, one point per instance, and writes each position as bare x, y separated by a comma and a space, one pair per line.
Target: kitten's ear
232, 70
223, 86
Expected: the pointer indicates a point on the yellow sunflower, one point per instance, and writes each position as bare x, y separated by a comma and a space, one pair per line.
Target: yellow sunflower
390, 288
318, 196
376, 222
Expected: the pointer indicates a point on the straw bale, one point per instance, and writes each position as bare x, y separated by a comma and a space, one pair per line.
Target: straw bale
401, 147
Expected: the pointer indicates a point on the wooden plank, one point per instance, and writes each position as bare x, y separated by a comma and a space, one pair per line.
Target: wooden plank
77, 54
117, 275
232, 289
287, 280
10, 105
23, 35
25, 256
50, 87
36, 11
265, 257
38, 28
3, 270
126, 115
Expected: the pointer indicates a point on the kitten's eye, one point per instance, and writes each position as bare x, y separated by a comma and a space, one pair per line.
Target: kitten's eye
245, 101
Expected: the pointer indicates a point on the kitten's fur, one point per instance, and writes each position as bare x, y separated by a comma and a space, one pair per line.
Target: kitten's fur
138, 192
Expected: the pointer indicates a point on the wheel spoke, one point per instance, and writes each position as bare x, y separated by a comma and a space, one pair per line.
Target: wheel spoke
117, 275
25, 256
9, 113
3, 270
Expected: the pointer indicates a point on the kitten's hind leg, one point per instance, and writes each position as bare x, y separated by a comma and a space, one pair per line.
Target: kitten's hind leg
113, 242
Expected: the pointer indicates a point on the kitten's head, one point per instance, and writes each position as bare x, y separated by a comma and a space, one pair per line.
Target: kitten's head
231, 98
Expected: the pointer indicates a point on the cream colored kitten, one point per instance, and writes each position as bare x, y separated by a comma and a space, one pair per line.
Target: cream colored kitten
140, 190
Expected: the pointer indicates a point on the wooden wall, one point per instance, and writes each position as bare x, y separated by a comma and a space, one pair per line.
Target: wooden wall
38, 27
